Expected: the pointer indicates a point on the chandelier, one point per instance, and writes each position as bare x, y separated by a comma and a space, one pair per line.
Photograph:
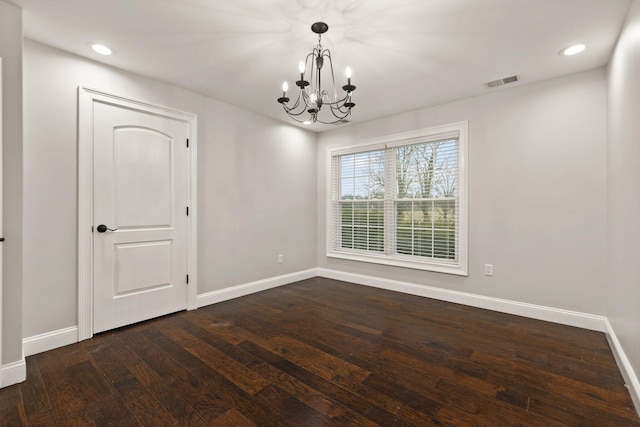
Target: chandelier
311, 96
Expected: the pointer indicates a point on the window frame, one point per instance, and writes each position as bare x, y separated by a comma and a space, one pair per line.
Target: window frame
432, 134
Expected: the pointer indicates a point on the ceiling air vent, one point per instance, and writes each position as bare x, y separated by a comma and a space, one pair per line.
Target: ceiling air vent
503, 81
341, 122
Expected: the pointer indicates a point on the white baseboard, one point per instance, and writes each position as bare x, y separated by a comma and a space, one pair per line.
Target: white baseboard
226, 294
62, 337
628, 373
13, 373
550, 314
49, 340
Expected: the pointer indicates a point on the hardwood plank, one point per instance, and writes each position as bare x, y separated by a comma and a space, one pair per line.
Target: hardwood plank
317, 361
237, 373
336, 411
294, 412
508, 408
137, 399
420, 401
232, 418
193, 389
214, 340
142, 405
89, 385
212, 380
574, 412
13, 415
349, 398
582, 391
325, 352
112, 411
12, 411
161, 388
37, 405
68, 407
222, 329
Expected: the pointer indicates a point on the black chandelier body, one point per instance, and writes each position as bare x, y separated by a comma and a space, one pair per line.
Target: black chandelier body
311, 96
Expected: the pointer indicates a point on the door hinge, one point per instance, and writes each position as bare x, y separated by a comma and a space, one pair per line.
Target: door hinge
187, 210
187, 142
187, 279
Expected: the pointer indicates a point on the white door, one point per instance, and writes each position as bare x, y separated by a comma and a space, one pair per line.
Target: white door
140, 164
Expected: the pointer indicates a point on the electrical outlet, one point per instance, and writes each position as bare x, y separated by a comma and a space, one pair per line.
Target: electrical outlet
488, 269
280, 259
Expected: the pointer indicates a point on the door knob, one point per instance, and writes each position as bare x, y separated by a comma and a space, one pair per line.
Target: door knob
102, 228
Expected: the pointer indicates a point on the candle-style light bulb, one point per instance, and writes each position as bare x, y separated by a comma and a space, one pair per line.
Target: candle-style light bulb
283, 99
301, 68
348, 73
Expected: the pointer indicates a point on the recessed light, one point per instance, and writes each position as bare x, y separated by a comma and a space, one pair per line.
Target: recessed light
101, 49
306, 122
573, 50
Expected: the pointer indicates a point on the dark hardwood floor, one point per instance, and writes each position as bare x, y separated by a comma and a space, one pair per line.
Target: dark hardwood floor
322, 352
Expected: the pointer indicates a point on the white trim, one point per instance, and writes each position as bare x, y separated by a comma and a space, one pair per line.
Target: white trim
49, 340
461, 130
85, 215
1, 226
549, 314
433, 133
16, 372
626, 369
226, 294
397, 261
192, 220
86, 98
13, 373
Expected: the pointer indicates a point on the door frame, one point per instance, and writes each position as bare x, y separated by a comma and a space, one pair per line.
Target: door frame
1, 226
86, 98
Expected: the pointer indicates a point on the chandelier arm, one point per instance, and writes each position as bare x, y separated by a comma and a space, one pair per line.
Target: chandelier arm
341, 108
327, 53
309, 91
291, 111
339, 112
294, 106
295, 117
338, 102
344, 106
339, 118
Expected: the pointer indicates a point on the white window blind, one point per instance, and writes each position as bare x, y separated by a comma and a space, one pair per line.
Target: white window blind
402, 202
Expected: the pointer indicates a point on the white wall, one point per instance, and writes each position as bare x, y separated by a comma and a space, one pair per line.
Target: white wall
623, 272
256, 183
537, 192
11, 53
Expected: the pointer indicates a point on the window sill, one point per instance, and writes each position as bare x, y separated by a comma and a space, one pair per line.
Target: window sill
396, 261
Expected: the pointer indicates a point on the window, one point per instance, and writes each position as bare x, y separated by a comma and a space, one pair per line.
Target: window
401, 200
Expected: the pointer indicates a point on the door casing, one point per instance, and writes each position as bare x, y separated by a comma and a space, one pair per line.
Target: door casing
87, 97
1, 226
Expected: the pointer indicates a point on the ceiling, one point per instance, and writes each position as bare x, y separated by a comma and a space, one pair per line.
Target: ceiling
405, 54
